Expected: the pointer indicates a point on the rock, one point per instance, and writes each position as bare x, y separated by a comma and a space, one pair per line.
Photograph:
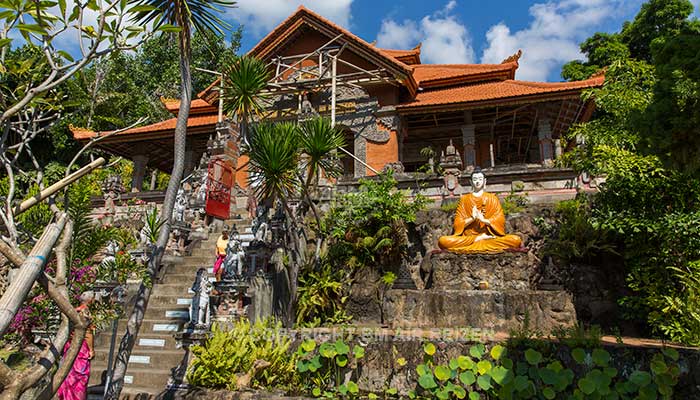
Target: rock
486, 309
507, 270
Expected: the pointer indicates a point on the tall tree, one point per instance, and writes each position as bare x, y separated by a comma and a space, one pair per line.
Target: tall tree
657, 19
182, 17
670, 125
243, 82
601, 50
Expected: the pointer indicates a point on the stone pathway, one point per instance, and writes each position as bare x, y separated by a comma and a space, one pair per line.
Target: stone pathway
155, 355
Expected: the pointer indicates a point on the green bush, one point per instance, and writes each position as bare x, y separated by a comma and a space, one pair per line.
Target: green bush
228, 353
323, 369
575, 238
369, 228
321, 297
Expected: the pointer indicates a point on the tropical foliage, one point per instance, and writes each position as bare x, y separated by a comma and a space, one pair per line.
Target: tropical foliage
230, 353
644, 141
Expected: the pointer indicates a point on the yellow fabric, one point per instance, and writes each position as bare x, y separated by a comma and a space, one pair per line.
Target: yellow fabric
221, 244
463, 240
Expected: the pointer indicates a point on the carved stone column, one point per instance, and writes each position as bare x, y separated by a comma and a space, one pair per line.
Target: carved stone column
451, 164
140, 163
544, 134
469, 140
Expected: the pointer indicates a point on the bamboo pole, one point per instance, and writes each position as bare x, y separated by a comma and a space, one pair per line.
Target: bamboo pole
41, 196
16, 293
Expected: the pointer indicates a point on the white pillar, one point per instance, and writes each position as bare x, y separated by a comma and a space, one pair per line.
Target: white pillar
544, 134
333, 85
140, 162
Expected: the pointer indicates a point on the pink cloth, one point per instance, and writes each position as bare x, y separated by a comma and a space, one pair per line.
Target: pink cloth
76, 383
218, 262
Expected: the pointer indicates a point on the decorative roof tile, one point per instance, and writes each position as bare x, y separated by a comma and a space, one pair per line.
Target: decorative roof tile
495, 91
163, 126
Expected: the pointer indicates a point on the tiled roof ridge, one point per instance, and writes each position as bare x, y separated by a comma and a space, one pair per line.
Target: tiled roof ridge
301, 10
596, 79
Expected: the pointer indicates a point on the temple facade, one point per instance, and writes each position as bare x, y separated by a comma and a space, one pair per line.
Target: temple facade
391, 107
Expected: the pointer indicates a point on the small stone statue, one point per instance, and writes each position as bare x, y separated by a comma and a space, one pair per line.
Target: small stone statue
112, 190
145, 236
180, 206
233, 263
479, 225
201, 192
110, 254
260, 225
199, 308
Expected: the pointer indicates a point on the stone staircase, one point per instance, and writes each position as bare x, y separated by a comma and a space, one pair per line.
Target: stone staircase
155, 355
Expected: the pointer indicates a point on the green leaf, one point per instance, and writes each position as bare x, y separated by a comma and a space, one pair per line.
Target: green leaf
533, 357
169, 28
316, 392
484, 382
353, 388
341, 347
341, 360
579, 355
142, 8
454, 364
497, 351
327, 350
429, 348
66, 55
549, 393
422, 369
477, 351
483, 367
358, 351
302, 366
427, 382
5, 42
401, 361
521, 383
671, 353
308, 345
601, 357
467, 378
587, 386
474, 396
443, 373
31, 28
499, 374
343, 389
465, 363
640, 378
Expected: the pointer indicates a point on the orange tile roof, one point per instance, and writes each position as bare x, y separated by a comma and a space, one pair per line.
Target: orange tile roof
198, 106
163, 126
410, 57
495, 91
431, 75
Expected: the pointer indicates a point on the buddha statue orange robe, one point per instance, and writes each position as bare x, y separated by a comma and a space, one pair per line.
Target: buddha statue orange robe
464, 239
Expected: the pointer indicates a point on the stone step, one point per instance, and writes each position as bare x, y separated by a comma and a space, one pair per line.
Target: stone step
180, 289
147, 378
144, 341
151, 359
159, 326
170, 300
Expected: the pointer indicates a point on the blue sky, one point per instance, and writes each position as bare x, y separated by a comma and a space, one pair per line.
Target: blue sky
460, 31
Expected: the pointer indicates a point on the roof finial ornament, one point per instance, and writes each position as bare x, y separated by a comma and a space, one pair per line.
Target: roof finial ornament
514, 58
600, 72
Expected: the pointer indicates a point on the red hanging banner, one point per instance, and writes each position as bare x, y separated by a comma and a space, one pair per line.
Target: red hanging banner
219, 184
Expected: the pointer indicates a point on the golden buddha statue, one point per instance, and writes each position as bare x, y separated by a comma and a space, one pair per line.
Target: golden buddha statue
479, 225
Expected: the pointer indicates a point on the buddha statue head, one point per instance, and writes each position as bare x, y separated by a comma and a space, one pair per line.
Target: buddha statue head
478, 180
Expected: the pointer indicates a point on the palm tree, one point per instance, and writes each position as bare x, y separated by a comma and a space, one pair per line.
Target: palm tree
275, 152
243, 82
181, 17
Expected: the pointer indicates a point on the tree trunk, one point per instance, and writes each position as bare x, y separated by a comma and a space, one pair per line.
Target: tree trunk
144, 293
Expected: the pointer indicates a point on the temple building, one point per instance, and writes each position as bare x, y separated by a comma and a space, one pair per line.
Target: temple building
390, 106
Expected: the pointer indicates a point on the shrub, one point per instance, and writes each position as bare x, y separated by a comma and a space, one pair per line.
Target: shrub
321, 297
230, 352
369, 228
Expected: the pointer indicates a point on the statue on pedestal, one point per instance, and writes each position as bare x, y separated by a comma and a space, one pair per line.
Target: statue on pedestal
451, 165
180, 206
112, 190
199, 308
479, 225
233, 263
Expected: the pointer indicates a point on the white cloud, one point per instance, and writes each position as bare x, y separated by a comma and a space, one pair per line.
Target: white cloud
553, 36
445, 39
261, 16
